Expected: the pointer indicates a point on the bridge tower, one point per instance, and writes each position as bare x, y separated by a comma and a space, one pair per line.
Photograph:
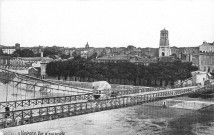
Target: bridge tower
164, 48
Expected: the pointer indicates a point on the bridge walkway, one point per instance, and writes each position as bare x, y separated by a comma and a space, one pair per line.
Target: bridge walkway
32, 115
49, 101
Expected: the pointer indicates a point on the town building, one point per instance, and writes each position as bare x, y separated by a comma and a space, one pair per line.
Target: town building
199, 77
189, 50
34, 71
8, 49
142, 60
5, 60
195, 60
206, 47
17, 46
126, 58
206, 62
43, 65
36, 50
87, 46
175, 51
150, 52
113, 59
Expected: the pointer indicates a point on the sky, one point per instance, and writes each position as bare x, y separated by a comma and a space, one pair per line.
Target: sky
105, 23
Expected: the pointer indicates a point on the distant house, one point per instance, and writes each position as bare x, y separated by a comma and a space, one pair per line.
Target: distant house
84, 54
34, 71
35, 50
142, 60
9, 50
206, 62
43, 65
24, 61
5, 60
113, 58
206, 47
126, 58
175, 51
200, 77
152, 52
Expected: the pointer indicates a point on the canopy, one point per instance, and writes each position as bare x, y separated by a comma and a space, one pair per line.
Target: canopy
101, 85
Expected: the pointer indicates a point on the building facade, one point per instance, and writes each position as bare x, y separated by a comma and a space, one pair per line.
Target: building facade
5, 60
206, 62
126, 58
164, 48
175, 51
206, 47
151, 52
8, 50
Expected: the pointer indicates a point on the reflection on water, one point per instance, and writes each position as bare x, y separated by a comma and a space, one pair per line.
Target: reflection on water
187, 124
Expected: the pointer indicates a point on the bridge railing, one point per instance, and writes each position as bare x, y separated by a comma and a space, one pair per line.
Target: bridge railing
69, 98
64, 99
33, 115
43, 101
15, 67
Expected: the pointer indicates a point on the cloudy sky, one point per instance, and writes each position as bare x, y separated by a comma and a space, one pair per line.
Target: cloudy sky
102, 23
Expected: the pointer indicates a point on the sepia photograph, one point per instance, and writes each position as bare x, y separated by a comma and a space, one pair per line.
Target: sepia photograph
106, 67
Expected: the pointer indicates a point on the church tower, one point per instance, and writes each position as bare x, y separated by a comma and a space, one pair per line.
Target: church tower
164, 48
87, 46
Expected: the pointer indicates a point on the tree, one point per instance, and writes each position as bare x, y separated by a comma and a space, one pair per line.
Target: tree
103, 53
51, 51
63, 56
27, 53
174, 55
74, 54
23, 53
83, 68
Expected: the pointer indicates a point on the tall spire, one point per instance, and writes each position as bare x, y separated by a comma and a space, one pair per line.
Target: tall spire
87, 45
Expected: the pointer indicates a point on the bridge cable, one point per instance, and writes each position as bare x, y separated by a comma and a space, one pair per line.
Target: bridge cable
7, 81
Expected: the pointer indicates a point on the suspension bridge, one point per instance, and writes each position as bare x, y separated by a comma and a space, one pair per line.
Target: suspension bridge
35, 100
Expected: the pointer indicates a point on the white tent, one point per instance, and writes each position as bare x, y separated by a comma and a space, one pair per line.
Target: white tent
102, 88
101, 85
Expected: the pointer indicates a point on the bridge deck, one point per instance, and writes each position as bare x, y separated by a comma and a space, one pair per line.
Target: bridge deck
64, 99
166, 90
32, 115
39, 102
90, 97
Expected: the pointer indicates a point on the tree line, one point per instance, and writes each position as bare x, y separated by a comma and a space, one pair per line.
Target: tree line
154, 74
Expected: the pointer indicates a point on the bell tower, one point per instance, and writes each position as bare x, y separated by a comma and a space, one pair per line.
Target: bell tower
164, 48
